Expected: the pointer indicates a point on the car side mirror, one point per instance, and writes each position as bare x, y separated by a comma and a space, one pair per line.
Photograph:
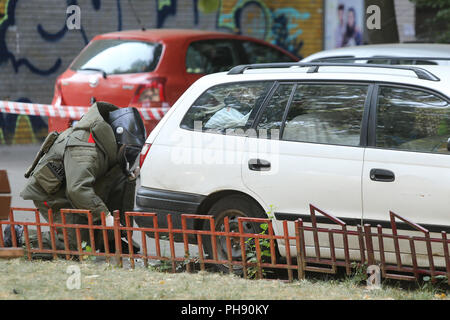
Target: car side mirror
448, 144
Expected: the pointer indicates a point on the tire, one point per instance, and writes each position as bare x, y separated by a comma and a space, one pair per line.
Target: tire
233, 206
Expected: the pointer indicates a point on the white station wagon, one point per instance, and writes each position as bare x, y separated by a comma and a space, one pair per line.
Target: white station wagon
356, 141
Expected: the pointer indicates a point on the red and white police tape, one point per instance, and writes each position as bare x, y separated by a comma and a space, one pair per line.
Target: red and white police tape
72, 112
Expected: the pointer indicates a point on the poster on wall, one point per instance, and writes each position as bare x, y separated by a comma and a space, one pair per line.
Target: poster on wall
343, 23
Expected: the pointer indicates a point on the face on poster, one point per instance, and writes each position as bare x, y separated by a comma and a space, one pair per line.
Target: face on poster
343, 23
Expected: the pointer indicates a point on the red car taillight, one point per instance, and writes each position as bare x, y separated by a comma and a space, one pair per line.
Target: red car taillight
144, 153
149, 92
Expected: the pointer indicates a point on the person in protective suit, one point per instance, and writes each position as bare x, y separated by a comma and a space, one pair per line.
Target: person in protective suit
88, 166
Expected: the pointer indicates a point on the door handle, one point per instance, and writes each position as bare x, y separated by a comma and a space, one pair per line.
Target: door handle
382, 175
258, 165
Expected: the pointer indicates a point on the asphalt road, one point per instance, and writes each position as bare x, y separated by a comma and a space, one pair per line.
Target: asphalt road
17, 158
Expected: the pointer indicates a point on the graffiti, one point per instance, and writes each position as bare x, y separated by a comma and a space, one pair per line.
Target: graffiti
20, 129
6, 55
8, 19
165, 8
96, 4
285, 20
265, 20
262, 19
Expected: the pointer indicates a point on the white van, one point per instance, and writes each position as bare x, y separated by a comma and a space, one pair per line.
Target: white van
356, 141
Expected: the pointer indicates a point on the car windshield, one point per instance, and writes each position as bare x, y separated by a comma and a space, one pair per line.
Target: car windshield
114, 56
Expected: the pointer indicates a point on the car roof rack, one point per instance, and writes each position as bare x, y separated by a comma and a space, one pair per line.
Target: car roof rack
314, 67
346, 58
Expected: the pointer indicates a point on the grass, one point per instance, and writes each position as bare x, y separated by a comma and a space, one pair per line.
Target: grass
22, 279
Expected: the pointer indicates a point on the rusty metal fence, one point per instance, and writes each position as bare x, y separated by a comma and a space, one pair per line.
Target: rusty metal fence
307, 247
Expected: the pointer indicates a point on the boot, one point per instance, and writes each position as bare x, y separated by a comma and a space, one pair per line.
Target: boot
8, 237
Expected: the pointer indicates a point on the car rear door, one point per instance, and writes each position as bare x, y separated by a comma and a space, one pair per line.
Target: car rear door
407, 166
319, 157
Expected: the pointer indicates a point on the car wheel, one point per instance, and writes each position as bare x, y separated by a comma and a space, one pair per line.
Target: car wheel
233, 207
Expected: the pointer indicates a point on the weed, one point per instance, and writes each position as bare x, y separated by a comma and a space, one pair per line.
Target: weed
165, 264
359, 273
264, 244
87, 248
438, 287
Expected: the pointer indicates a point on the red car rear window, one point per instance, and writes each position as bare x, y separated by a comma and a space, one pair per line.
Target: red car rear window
114, 56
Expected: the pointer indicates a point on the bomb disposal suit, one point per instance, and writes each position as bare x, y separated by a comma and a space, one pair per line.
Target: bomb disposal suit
88, 166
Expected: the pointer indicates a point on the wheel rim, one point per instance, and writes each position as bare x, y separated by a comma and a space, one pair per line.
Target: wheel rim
222, 250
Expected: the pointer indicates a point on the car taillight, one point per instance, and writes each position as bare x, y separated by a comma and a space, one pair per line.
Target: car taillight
144, 153
150, 92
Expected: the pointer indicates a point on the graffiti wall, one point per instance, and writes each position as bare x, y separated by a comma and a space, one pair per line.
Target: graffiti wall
293, 25
36, 46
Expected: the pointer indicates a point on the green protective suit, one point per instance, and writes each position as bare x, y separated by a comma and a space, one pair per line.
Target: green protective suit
80, 171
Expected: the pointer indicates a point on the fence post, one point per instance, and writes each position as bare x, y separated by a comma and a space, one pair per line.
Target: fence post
171, 243
5, 198
118, 238
369, 245
187, 254
52, 232
288, 250
105, 235
300, 260
226, 222
446, 254
381, 249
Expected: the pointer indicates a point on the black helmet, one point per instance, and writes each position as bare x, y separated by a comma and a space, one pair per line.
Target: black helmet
129, 131
128, 127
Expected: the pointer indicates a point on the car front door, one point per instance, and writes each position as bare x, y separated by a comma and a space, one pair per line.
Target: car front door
409, 137
407, 165
318, 158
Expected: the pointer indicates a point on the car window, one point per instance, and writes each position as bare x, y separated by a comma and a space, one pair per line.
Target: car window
412, 120
260, 53
227, 107
272, 116
210, 56
326, 113
115, 56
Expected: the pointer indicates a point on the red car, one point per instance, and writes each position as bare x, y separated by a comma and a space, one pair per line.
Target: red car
147, 68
